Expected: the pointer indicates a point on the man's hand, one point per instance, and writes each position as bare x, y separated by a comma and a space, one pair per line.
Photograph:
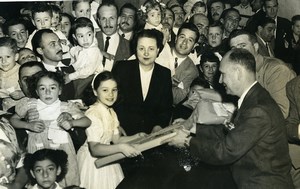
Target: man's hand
67, 79
180, 139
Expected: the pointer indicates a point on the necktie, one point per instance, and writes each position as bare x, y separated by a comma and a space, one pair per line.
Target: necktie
123, 35
176, 62
269, 50
105, 50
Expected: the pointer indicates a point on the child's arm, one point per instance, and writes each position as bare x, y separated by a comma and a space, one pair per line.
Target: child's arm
35, 126
91, 64
97, 149
66, 121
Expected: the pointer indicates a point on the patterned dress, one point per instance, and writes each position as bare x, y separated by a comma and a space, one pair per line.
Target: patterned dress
104, 125
53, 136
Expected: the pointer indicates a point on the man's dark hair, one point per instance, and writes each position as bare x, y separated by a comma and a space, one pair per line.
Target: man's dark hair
12, 22
107, 3
264, 21
192, 27
37, 40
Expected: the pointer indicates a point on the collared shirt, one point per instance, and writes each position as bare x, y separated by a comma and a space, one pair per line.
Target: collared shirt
127, 35
145, 80
52, 68
112, 49
240, 101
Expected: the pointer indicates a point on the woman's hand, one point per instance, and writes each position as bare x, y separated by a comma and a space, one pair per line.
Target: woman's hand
129, 151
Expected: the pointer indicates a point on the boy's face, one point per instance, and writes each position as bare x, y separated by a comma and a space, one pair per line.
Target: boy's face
55, 19
154, 16
7, 58
45, 173
209, 69
19, 33
42, 20
215, 35
84, 36
296, 28
48, 90
65, 26
83, 9
26, 56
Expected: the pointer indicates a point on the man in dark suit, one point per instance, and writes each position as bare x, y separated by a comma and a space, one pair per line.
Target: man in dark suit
255, 144
292, 124
265, 36
113, 46
283, 27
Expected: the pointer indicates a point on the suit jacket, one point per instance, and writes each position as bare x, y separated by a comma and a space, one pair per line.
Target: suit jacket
283, 27
293, 120
134, 113
123, 48
256, 147
186, 72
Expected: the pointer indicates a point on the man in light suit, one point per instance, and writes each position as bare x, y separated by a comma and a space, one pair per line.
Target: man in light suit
292, 124
117, 48
255, 144
185, 69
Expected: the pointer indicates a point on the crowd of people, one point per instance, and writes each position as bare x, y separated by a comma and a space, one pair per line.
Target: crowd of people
82, 79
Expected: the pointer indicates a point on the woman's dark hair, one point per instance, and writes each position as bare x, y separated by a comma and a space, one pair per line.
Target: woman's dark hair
58, 157
33, 81
89, 97
149, 33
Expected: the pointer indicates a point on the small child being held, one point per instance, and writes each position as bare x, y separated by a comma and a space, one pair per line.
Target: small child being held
46, 167
55, 119
85, 57
10, 90
26, 55
151, 13
103, 137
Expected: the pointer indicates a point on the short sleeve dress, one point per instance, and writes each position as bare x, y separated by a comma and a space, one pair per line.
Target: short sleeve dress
53, 136
104, 125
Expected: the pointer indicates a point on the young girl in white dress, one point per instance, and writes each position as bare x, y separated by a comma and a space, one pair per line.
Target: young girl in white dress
103, 138
55, 118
